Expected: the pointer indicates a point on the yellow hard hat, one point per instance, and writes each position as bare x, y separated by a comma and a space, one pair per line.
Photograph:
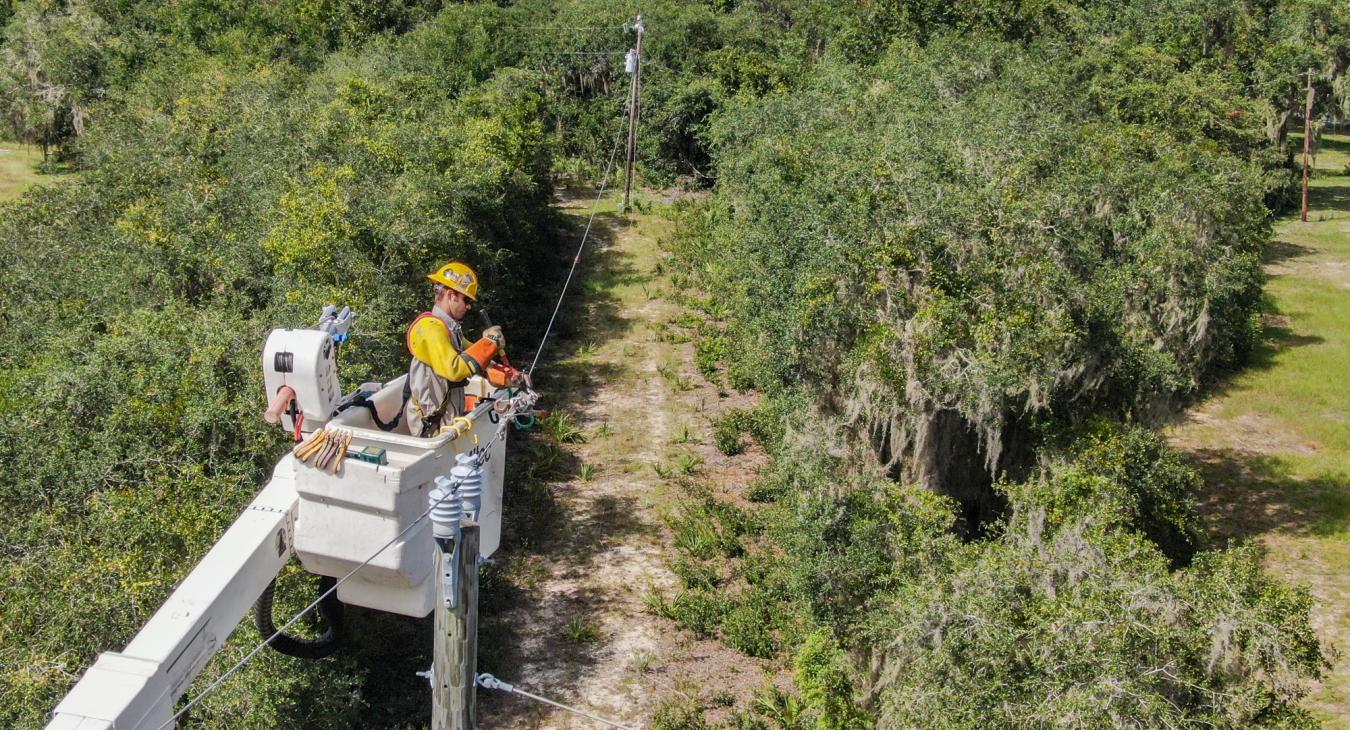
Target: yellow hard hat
459, 277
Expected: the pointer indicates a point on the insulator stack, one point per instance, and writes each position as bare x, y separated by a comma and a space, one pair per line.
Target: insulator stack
447, 510
469, 473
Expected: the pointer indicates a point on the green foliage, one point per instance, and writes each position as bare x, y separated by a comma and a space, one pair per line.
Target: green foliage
949, 253
749, 627
562, 428
1072, 600
1035, 288
695, 573
679, 715
823, 677
1124, 476
700, 534
688, 463
783, 708
52, 57
221, 198
849, 549
547, 462
727, 430
766, 423
699, 611
708, 352
1086, 626
581, 630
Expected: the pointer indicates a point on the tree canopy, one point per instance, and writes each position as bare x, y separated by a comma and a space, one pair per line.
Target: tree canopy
981, 245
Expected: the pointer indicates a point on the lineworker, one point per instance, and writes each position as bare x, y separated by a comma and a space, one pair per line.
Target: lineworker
441, 364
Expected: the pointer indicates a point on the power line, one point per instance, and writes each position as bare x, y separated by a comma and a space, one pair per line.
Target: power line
604, 180
558, 27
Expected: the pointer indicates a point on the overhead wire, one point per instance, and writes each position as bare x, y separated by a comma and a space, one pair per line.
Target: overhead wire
595, 207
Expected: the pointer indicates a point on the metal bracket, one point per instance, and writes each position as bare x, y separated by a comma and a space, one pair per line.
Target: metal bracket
450, 576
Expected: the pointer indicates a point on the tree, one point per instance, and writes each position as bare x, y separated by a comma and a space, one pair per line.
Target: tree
51, 64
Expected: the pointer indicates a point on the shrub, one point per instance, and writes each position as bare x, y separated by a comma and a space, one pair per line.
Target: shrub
695, 573
820, 670
946, 336
727, 430
1086, 626
701, 611
1128, 476
749, 625
708, 352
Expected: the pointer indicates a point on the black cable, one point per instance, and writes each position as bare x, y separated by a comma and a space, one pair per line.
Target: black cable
330, 610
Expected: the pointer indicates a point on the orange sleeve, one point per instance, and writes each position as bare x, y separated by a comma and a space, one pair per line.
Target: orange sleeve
482, 352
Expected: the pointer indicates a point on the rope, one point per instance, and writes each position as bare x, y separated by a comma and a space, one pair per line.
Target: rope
604, 180
257, 649
487, 681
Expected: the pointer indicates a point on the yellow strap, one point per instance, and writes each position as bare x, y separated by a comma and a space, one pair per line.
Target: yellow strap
464, 427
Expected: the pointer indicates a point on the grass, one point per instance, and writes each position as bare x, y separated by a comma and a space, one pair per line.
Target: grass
563, 428
581, 630
1274, 443
18, 169
688, 463
686, 435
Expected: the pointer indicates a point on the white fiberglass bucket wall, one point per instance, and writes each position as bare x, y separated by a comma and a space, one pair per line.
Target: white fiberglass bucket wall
344, 518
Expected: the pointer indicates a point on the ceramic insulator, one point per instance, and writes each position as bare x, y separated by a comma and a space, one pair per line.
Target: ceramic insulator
469, 473
446, 508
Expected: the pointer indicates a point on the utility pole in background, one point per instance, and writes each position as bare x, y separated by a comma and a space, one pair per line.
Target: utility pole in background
633, 65
1307, 142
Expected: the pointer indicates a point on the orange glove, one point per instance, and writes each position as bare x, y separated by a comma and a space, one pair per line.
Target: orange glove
482, 352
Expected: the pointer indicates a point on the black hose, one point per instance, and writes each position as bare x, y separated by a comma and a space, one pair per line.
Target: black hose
330, 610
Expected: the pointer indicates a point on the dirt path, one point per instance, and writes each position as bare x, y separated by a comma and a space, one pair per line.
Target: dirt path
575, 627
1274, 443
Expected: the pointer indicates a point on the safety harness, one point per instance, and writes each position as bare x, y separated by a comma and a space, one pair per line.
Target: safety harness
432, 422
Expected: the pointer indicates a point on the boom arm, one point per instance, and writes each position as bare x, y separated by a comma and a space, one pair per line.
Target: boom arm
136, 689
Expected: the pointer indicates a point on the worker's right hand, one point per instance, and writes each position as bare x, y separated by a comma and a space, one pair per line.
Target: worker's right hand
494, 333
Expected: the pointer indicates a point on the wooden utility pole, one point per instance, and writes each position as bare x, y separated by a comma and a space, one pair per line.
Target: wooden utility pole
634, 99
1307, 142
455, 664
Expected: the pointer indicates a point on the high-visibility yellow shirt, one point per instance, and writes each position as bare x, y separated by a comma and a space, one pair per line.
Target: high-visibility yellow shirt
440, 365
429, 340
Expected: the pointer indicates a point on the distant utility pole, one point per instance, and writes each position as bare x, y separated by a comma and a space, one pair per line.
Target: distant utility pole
633, 65
1307, 142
